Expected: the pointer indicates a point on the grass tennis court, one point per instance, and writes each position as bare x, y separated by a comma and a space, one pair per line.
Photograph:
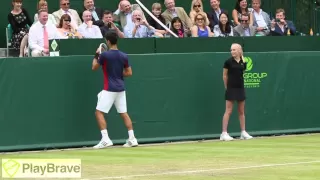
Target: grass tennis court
268, 158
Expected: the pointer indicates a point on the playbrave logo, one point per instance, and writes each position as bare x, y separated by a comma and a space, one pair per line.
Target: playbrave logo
252, 79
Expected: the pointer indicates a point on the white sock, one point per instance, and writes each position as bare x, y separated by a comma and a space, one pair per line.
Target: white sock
131, 135
104, 134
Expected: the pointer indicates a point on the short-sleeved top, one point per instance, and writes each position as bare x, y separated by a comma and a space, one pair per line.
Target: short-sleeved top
113, 63
235, 73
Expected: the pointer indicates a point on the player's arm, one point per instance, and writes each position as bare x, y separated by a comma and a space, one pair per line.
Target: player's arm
95, 62
127, 72
225, 77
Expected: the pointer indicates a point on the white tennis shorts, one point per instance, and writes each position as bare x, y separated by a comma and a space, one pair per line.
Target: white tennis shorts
106, 99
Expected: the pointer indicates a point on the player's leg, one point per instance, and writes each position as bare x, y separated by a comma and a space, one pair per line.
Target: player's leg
105, 102
241, 110
225, 136
121, 106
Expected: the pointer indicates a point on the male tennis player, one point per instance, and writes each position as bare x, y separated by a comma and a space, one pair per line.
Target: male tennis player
115, 66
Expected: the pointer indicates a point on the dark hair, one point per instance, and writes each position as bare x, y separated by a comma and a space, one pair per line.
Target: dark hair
63, 17
175, 19
228, 26
246, 15
112, 37
107, 12
238, 8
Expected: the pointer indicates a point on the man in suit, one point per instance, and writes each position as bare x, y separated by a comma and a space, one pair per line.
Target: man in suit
280, 26
125, 15
261, 19
96, 12
65, 9
244, 28
214, 14
173, 11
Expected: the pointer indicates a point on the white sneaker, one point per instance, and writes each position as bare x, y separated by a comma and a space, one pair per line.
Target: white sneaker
131, 143
225, 137
103, 144
245, 136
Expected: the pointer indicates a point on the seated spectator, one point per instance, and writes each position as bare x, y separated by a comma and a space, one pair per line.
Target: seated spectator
87, 29
140, 28
245, 29
66, 30
96, 12
125, 14
196, 7
65, 9
110, 25
43, 4
280, 26
201, 29
224, 28
40, 34
156, 11
19, 20
261, 19
241, 8
214, 14
173, 11
177, 28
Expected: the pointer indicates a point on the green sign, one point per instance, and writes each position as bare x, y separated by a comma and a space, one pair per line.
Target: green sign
252, 79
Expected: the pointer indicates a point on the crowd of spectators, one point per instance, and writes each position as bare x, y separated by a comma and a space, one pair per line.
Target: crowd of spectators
130, 21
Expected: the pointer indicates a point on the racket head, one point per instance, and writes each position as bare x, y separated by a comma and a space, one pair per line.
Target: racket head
103, 48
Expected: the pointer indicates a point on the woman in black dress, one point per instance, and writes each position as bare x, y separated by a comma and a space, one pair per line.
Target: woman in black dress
234, 84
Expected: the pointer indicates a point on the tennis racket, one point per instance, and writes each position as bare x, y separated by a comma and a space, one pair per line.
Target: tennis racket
103, 48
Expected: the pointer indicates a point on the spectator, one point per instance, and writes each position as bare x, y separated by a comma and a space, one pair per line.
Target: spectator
196, 7
96, 12
223, 29
65, 28
125, 14
40, 34
241, 8
43, 4
280, 26
245, 29
214, 14
261, 19
156, 11
19, 20
139, 28
201, 29
87, 29
109, 24
65, 9
173, 11
177, 27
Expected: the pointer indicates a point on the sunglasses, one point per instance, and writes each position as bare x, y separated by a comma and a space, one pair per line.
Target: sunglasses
197, 6
66, 4
245, 21
199, 19
67, 20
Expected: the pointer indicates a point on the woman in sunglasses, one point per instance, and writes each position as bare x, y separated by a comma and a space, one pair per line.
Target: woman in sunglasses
66, 30
196, 7
201, 29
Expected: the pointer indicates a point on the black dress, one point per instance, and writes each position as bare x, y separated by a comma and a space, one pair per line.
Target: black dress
235, 86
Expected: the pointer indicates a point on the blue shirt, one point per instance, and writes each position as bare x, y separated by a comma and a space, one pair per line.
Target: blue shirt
113, 63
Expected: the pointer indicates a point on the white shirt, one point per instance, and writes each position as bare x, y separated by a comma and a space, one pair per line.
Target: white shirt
86, 32
259, 19
35, 39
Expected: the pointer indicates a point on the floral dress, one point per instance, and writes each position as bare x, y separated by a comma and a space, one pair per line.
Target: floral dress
19, 27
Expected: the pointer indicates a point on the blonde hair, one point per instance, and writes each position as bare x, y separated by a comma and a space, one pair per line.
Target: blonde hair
41, 3
239, 47
196, 1
156, 6
204, 16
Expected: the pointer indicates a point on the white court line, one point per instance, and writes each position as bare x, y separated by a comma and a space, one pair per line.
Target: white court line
200, 171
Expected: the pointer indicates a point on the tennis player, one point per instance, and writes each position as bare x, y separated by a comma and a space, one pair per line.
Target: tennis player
235, 92
115, 66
